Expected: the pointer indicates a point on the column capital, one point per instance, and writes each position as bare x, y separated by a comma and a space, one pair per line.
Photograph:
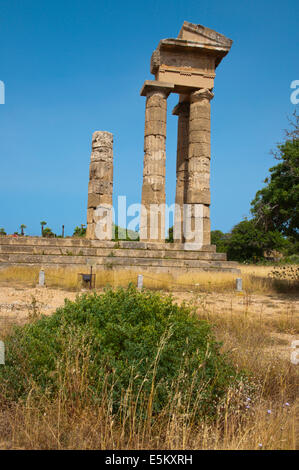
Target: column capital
181, 108
152, 86
202, 94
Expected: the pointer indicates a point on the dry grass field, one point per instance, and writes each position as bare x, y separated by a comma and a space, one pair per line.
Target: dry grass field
256, 279
256, 327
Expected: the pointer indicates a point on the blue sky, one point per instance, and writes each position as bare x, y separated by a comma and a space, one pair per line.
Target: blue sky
71, 67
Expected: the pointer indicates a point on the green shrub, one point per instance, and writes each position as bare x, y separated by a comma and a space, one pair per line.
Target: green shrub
123, 234
80, 231
47, 233
292, 259
136, 341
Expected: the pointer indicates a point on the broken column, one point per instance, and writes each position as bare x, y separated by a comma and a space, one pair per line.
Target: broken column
182, 110
199, 154
152, 219
100, 188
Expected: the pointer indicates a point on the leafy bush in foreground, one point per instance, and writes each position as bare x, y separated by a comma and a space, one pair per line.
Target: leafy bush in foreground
127, 341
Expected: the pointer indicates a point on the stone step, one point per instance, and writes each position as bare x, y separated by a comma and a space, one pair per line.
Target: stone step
82, 242
120, 252
110, 261
83, 268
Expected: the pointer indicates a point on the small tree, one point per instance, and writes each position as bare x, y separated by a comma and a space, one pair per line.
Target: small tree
221, 240
80, 231
47, 233
123, 234
2, 232
22, 227
248, 242
43, 223
276, 206
170, 239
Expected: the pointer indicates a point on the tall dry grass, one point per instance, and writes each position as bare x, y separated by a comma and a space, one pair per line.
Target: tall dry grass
261, 413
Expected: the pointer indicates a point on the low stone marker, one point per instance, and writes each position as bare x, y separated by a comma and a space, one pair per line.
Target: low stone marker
41, 278
2, 353
139, 282
239, 284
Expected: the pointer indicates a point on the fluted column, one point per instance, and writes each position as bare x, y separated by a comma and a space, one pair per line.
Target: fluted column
198, 185
152, 220
182, 110
100, 188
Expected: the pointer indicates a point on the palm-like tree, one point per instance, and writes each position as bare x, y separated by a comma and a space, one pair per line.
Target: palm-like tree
22, 227
43, 223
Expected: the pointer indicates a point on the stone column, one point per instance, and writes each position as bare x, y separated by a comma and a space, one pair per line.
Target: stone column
152, 218
198, 185
182, 110
100, 187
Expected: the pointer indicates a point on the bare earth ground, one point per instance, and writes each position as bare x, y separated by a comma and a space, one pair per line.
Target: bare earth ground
18, 302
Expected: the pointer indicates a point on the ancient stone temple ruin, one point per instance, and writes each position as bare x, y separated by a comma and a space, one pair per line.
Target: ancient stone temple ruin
185, 66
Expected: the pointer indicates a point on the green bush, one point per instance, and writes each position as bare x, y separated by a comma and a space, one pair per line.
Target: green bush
123, 234
47, 233
247, 242
221, 240
292, 259
135, 340
79, 231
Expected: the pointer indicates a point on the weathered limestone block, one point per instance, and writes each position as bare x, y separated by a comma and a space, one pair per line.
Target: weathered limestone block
103, 171
103, 154
93, 200
199, 165
153, 127
156, 113
200, 112
195, 195
100, 187
154, 168
200, 123
199, 148
154, 143
199, 137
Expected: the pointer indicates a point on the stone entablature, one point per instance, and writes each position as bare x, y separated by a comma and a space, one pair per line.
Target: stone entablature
190, 60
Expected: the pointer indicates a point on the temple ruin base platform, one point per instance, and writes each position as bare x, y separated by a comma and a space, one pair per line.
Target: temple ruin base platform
110, 259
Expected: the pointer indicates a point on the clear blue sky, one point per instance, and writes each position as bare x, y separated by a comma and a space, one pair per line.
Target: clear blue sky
72, 67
